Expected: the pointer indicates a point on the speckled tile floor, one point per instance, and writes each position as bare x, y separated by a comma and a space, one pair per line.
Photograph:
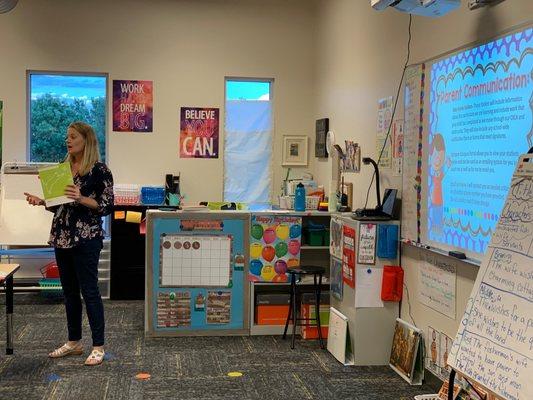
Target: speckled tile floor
181, 368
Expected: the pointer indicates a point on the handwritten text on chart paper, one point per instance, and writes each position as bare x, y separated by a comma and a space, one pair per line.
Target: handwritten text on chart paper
494, 344
437, 284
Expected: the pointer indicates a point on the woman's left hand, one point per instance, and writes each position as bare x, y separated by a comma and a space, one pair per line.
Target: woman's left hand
73, 192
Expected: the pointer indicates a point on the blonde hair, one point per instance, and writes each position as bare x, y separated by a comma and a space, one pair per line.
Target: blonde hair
91, 153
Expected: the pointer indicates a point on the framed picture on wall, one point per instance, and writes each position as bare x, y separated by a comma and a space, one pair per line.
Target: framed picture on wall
295, 150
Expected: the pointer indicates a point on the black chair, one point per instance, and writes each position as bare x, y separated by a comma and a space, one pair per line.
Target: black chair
317, 272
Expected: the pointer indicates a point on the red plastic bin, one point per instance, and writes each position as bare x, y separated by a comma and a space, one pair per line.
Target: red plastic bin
50, 270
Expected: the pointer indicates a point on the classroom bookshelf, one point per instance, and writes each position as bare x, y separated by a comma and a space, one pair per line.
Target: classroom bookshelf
309, 255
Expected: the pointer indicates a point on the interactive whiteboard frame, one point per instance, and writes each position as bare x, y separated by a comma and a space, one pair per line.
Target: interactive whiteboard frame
472, 257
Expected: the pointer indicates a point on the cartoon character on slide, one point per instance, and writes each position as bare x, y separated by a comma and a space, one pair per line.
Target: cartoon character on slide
439, 164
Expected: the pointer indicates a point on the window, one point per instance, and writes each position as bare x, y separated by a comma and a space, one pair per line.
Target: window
248, 141
57, 99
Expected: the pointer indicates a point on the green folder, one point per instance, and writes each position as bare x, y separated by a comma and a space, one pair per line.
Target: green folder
54, 180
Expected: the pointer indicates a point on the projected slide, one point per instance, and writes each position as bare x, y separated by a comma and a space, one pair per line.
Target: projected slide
480, 122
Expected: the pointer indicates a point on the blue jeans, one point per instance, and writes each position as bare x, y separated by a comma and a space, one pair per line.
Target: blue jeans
78, 271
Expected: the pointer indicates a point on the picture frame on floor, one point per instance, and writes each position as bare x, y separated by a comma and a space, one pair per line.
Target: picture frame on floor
406, 357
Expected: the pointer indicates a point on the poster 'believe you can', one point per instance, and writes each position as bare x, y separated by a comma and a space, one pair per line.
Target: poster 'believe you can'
199, 132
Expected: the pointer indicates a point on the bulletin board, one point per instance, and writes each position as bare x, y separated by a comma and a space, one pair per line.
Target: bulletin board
196, 273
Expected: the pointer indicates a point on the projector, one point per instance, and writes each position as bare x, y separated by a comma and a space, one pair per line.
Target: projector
426, 8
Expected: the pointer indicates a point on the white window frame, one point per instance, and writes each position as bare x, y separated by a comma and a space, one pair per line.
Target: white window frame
272, 120
31, 72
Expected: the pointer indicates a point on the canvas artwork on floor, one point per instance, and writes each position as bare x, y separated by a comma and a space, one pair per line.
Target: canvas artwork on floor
405, 352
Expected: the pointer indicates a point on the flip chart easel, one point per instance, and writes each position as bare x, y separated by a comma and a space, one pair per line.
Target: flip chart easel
20, 223
494, 343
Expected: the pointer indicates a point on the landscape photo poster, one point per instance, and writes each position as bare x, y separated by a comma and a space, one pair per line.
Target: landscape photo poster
132, 106
199, 132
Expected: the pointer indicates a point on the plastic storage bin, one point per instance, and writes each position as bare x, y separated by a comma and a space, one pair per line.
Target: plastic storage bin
126, 194
51, 288
50, 271
315, 234
152, 195
287, 202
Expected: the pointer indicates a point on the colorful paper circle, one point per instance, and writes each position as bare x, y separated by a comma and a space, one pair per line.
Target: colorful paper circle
282, 232
143, 376
255, 250
281, 249
257, 231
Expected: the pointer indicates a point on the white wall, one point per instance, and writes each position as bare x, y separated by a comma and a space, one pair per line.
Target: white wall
186, 47
359, 59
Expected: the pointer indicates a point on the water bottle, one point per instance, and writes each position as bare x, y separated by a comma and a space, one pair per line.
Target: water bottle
299, 198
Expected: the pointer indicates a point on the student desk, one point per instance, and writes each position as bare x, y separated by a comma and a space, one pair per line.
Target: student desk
6, 275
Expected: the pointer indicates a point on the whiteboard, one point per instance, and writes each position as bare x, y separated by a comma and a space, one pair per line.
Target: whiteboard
494, 342
20, 223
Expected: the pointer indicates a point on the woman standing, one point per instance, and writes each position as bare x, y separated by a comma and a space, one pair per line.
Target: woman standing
77, 235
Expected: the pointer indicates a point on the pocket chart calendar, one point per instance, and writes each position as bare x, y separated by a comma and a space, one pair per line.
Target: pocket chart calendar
195, 260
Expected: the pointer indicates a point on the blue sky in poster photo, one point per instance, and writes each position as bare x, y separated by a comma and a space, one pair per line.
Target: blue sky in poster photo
68, 87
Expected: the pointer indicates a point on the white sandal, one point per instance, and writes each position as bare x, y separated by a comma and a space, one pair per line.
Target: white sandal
95, 358
66, 350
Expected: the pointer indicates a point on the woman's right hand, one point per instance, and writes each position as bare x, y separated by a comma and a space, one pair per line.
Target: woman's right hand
34, 200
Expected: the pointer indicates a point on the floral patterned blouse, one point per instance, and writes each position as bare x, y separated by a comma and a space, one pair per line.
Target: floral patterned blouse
74, 223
